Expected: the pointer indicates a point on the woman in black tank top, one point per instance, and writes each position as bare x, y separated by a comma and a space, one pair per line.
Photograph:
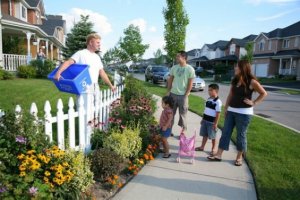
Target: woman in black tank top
239, 109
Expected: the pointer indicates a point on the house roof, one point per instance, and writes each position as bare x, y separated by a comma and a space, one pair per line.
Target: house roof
229, 58
33, 3
14, 19
250, 37
292, 53
193, 52
202, 58
51, 23
288, 31
221, 44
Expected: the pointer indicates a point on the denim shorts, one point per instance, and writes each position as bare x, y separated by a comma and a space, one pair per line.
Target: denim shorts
207, 130
165, 133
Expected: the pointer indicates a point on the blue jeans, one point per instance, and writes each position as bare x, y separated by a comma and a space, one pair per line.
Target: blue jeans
241, 122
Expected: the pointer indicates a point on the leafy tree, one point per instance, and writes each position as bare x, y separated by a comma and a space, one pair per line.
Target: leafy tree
131, 47
158, 57
113, 55
13, 45
249, 55
76, 39
176, 21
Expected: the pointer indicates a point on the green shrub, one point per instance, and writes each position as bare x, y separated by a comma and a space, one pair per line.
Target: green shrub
105, 163
26, 71
126, 144
80, 165
43, 67
97, 139
5, 75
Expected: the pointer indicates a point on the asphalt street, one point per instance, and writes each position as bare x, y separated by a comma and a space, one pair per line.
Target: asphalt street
279, 107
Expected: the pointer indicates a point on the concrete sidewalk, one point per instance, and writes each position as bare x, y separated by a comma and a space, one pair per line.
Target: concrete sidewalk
165, 179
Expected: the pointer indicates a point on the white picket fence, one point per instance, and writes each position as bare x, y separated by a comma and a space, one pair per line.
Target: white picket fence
90, 116
12, 61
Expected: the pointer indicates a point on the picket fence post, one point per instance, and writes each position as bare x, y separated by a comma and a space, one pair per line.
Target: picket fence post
71, 116
60, 125
48, 120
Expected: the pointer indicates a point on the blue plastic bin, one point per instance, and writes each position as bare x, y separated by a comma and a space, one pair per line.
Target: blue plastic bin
74, 79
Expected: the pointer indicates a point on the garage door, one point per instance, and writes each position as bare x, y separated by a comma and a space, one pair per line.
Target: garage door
260, 70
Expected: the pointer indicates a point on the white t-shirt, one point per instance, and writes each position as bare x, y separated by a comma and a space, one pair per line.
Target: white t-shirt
92, 59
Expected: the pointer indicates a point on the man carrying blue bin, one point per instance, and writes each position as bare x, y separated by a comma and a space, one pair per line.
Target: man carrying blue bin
88, 56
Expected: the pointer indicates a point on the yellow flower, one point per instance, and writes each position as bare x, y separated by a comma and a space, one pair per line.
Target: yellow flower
58, 174
47, 173
35, 165
22, 174
65, 164
21, 156
22, 167
46, 180
115, 177
30, 152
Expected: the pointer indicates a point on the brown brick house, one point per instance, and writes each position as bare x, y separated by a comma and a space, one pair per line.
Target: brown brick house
27, 21
278, 52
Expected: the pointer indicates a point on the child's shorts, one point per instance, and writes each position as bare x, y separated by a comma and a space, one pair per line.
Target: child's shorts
165, 133
206, 130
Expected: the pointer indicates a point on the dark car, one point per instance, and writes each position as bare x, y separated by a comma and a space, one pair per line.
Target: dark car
156, 73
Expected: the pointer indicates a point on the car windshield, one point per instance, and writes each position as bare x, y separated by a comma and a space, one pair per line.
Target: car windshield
160, 69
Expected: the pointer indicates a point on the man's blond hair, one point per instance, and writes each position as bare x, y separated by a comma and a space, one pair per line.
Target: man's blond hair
92, 36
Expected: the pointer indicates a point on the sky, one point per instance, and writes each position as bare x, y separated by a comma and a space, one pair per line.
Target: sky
209, 21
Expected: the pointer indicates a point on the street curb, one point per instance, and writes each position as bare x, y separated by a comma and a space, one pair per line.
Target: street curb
278, 123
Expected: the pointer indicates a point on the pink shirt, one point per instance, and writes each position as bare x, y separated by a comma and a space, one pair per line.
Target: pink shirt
166, 114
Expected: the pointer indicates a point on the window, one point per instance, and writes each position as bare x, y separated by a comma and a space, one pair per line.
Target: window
262, 46
297, 42
232, 49
270, 45
23, 12
286, 43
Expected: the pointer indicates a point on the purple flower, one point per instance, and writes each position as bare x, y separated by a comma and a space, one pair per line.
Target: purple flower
21, 139
33, 190
3, 189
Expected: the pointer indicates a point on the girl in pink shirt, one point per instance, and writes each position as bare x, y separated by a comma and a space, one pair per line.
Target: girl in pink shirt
165, 123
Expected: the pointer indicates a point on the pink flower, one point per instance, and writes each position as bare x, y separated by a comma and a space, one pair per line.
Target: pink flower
117, 113
119, 121
111, 119
33, 191
122, 126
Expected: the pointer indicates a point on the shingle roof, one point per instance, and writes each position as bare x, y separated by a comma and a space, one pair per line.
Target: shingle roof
51, 23
292, 52
291, 30
193, 52
250, 37
202, 58
219, 44
33, 3
229, 58
11, 18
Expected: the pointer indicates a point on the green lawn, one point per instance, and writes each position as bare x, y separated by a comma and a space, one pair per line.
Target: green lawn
26, 91
273, 153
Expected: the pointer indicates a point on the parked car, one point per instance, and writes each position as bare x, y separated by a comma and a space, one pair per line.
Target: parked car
198, 70
156, 73
198, 84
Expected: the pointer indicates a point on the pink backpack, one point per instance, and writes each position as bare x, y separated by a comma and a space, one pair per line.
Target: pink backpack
186, 147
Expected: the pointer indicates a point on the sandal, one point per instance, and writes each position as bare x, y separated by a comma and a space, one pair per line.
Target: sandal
238, 162
199, 149
167, 156
214, 158
212, 153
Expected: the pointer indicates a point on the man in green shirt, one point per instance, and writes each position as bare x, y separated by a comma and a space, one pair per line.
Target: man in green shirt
180, 84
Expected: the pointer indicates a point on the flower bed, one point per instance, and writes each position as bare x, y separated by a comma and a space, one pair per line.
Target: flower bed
33, 168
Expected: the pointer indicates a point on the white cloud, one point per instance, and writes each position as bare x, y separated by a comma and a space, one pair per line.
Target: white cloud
140, 22
152, 29
258, 2
101, 24
278, 15
155, 43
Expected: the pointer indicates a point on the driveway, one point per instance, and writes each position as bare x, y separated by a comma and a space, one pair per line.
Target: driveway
282, 108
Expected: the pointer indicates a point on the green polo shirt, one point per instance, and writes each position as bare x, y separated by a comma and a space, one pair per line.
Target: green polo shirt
181, 78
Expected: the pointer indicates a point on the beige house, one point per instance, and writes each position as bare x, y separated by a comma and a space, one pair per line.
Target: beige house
278, 52
26, 20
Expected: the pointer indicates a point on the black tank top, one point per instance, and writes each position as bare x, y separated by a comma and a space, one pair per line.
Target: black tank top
239, 93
